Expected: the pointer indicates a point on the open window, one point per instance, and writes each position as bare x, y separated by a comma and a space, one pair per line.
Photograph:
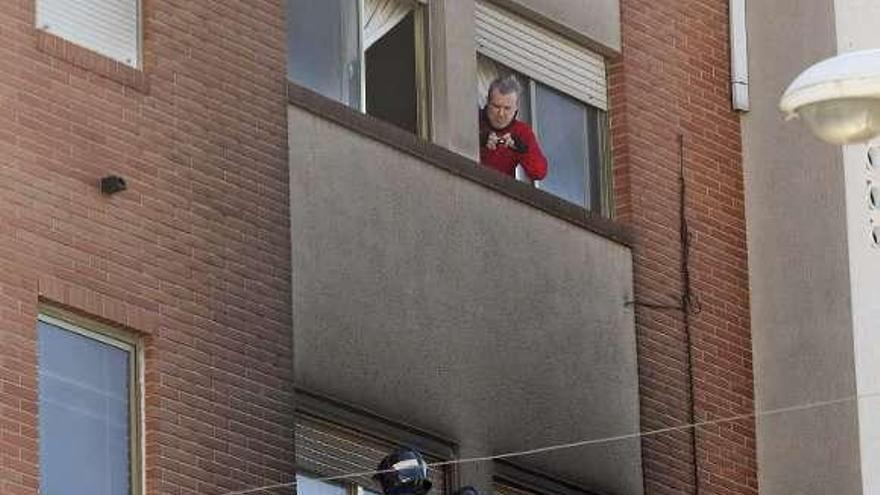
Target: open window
368, 54
564, 100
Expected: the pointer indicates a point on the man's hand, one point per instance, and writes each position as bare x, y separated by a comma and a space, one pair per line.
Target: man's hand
513, 142
492, 141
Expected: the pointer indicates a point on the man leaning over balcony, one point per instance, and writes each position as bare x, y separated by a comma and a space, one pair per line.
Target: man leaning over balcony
505, 141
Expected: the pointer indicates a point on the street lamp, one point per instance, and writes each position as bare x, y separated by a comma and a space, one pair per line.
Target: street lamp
839, 98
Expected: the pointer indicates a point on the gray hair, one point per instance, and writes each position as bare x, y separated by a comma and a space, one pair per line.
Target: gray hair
505, 85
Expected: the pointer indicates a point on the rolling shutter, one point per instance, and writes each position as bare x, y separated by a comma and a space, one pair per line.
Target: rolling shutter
541, 54
109, 27
326, 449
500, 488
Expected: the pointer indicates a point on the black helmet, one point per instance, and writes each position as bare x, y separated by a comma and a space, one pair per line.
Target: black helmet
403, 472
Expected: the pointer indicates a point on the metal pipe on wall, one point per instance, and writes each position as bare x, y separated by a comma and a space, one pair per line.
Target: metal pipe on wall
739, 57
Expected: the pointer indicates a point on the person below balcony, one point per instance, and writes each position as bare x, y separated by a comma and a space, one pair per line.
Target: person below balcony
506, 142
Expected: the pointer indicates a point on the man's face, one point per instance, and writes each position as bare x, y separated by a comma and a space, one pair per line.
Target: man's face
501, 108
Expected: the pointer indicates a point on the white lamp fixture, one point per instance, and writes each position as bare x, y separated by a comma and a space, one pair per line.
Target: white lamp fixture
839, 97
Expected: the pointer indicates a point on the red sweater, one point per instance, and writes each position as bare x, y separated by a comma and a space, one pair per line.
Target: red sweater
505, 159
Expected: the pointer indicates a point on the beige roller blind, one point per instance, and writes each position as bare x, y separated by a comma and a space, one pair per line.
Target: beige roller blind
541, 54
109, 27
327, 449
380, 17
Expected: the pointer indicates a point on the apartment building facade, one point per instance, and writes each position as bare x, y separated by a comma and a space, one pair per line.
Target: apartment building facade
812, 223
308, 267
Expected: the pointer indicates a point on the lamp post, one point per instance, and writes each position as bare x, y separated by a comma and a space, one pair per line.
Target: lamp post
838, 98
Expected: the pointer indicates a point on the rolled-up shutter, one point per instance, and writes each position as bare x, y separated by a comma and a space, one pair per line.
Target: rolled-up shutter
541, 54
109, 27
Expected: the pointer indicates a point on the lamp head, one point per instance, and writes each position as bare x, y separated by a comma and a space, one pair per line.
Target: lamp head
838, 98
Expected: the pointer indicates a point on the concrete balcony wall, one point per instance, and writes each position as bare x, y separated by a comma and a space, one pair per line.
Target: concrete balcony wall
436, 301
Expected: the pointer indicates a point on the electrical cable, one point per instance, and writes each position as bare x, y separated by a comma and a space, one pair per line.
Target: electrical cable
687, 303
584, 443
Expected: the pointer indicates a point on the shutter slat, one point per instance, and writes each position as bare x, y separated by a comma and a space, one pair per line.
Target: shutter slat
516, 31
534, 45
108, 27
541, 54
535, 48
585, 90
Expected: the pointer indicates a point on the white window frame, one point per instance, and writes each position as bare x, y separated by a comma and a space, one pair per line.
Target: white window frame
106, 334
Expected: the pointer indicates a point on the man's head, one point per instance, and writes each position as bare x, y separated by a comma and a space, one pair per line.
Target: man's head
502, 101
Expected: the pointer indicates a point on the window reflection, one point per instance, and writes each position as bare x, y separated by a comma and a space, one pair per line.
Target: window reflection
310, 485
84, 420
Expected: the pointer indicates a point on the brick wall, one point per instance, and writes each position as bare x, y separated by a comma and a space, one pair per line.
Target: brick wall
194, 256
671, 80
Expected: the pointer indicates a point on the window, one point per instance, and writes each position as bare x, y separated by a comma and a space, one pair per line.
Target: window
571, 134
108, 27
325, 449
564, 100
89, 391
333, 439
368, 54
512, 479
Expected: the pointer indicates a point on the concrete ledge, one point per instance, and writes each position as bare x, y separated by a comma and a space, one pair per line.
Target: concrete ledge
455, 164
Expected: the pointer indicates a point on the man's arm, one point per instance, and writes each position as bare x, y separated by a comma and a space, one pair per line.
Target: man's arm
530, 155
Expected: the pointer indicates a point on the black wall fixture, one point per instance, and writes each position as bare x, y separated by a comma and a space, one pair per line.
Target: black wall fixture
112, 184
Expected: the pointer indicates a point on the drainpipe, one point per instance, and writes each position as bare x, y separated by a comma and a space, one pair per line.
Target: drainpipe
739, 57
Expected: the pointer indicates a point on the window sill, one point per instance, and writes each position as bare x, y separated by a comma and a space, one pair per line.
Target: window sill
456, 164
84, 58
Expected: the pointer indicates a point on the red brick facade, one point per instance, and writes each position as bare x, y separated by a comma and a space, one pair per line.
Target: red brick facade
673, 79
194, 256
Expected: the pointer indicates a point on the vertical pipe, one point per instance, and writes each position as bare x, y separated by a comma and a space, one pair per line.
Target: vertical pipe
739, 57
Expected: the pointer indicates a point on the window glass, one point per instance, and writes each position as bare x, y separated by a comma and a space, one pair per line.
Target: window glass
324, 49
84, 407
561, 126
309, 485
